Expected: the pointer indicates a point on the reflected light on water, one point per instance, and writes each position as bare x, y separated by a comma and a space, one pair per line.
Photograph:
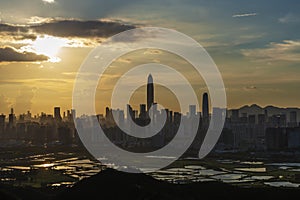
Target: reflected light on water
45, 165
252, 169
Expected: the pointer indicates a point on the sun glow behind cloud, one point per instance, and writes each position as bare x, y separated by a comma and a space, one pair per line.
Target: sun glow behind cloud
252, 45
48, 1
46, 45
50, 45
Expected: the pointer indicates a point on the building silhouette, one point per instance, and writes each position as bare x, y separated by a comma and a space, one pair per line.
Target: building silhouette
192, 110
11, 118
57, 115
293, 119
150, 92
247, 128
73, 113
143, 113
2, 124
205, 109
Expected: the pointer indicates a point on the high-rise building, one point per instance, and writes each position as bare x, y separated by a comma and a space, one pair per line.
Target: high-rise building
73, 113
261, 119
121, 117
171, 116
251, 119
293, 116
218, 115
168, 115
293, 119
177, 118
2, 123
57, 115
244, 118
266, 113
205, 106
11, 118
107, 113
118, 116
130, 112
282, 120
235, 115
143, 113
28, 116
192, 110
150, 92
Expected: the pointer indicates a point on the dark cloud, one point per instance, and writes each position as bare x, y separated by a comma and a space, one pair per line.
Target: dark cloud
66, 28
77, 28
12, 28
9, 54
16, 37
11, 35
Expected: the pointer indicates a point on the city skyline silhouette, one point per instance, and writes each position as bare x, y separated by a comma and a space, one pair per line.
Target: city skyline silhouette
151, 99
257, 122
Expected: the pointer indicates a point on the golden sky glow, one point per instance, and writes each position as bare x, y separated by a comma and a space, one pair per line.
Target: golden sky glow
42, 45
47, 45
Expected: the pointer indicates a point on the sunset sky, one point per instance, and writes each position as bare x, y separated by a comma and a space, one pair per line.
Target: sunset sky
255, 44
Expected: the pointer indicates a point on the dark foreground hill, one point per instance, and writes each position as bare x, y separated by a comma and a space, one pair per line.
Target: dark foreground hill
114, 185
111, 184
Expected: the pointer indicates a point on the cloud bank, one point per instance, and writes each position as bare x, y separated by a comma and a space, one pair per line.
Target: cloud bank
68, 28
15, 38
288, 50
10, 54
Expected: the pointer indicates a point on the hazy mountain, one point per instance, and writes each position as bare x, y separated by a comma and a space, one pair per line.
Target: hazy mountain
255, 109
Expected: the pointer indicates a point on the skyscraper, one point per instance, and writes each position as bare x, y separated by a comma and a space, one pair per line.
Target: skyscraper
73, 113
57, 115
293, 119
11, 118
150, 92
293, 116
2, 124
143, 113
130, 112
205, 113
192, 111
235, 115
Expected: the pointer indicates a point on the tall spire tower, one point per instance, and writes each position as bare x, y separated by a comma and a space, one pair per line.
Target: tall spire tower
150, 92
205, 109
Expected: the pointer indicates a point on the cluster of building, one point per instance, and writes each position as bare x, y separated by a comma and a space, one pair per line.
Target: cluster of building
251, 128
149, 116
39, 130
261, 130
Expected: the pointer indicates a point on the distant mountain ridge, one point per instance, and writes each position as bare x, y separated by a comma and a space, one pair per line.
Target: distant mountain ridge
255, 109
